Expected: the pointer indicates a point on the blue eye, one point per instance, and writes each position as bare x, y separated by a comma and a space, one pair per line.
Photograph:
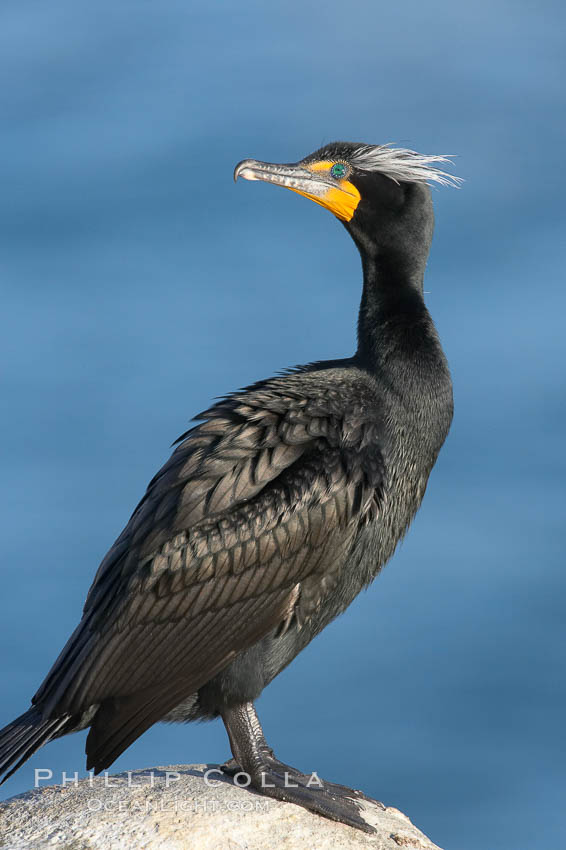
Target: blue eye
338, 169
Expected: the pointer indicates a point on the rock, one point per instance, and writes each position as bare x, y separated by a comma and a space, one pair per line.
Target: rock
184, 808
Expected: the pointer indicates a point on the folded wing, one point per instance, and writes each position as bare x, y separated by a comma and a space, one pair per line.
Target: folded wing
244, 529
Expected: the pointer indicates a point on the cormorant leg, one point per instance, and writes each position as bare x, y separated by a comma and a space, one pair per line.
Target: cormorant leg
270, 777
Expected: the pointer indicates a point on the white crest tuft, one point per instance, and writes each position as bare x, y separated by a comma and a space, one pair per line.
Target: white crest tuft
403, 165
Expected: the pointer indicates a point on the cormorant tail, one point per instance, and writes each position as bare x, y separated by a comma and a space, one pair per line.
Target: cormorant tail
23, 736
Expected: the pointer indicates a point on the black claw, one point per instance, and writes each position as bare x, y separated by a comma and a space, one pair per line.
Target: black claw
230, 767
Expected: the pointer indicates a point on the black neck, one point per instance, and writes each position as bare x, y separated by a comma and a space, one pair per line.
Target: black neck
392, 302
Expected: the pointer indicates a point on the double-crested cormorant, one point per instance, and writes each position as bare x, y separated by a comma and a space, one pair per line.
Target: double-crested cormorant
271, 514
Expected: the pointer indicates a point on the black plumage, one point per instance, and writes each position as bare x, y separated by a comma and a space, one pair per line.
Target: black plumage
273, 512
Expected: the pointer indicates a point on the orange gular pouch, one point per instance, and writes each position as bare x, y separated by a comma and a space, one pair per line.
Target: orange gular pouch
341, 199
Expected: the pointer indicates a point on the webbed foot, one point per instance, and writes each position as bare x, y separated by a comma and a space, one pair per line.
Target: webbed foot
272, 778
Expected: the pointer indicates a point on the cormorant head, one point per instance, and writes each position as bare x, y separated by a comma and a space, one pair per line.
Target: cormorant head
379, 192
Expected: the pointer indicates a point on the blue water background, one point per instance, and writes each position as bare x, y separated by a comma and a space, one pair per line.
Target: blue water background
137, 282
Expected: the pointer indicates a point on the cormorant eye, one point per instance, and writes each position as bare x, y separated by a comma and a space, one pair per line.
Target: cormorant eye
338, 170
